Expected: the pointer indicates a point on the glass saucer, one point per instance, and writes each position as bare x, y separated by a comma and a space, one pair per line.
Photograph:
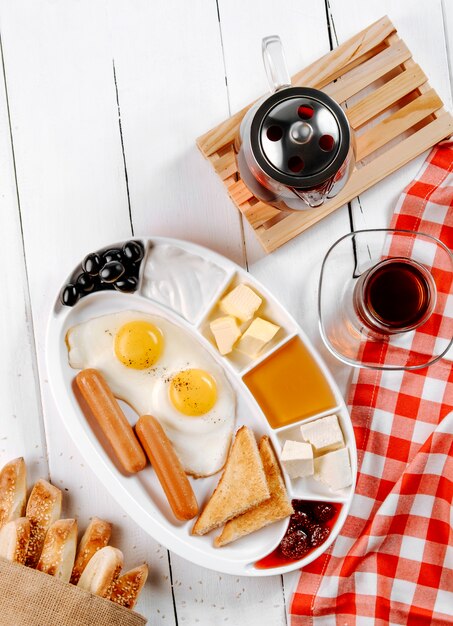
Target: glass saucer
344, 332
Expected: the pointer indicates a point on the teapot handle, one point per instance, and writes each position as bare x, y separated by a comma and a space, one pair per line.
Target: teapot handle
275, 63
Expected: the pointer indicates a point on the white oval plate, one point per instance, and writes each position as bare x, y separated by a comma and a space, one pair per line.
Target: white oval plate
141, 495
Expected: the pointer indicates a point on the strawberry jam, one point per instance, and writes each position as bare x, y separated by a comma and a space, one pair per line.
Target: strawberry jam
308, 528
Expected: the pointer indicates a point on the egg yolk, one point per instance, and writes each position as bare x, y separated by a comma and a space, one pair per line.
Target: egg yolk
138, 344
193, 392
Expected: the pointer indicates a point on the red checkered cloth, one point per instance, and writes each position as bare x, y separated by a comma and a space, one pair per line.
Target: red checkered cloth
393, 560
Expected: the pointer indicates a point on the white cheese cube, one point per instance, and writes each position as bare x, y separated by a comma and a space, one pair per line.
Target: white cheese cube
324, 434
257, 335
297, 459
334, 469
226, 332
242, 303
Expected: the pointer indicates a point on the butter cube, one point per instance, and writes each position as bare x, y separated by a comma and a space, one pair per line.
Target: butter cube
242, 303
324, 434
297, 459
334, 469
257, 335
226, 332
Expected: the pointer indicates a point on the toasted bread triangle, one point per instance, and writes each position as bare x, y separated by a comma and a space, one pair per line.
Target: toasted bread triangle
242, 485
277, 507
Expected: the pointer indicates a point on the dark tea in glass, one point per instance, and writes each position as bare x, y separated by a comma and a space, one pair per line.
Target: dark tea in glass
394, 296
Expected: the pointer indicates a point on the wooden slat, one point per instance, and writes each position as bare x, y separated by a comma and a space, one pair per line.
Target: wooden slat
226, 165
239, 192
397, 123
277, 218
360, 180
345, 57
383, 97
373, 69
421, 90
222, 134
259, 213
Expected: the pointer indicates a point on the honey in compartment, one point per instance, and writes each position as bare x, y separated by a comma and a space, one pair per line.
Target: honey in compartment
289, 385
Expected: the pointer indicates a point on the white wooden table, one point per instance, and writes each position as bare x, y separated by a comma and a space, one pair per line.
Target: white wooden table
100, 105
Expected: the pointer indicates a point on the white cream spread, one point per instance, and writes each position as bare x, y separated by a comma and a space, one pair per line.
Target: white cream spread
180, 280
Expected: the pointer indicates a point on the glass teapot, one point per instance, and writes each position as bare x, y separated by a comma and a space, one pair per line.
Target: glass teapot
295, 148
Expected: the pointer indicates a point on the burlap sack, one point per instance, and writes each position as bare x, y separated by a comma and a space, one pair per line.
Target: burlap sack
31, 598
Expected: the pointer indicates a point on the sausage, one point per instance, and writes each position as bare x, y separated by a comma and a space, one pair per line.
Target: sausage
111, 419
168, 468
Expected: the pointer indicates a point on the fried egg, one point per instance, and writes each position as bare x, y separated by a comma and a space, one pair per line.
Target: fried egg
160, 369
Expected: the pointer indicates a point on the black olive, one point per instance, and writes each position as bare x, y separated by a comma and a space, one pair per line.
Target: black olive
111, 255
92, 264
85, 282
132, 251
126, 285
69, 295
111, 272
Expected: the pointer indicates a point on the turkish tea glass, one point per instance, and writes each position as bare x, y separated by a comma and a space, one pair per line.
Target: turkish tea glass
385, 299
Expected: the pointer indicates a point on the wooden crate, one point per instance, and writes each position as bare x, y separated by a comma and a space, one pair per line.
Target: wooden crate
397, 117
